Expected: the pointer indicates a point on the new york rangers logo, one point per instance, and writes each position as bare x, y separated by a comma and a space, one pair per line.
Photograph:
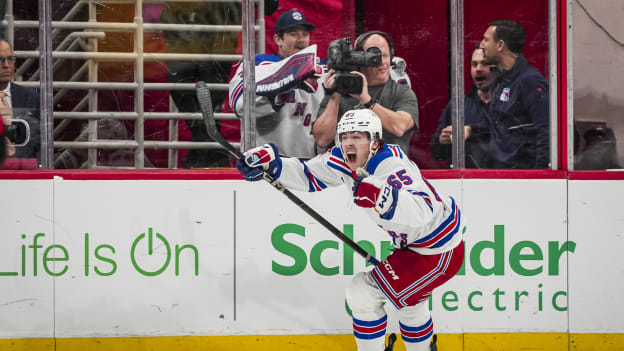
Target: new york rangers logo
505, 95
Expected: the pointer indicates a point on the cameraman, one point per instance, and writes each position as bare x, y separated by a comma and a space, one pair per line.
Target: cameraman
395, 104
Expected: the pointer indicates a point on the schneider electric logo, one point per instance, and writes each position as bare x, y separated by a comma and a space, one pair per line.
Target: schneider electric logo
486, 258
151, 254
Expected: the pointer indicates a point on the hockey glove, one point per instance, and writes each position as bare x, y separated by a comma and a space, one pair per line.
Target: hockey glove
258, 160
374, 192
309, 85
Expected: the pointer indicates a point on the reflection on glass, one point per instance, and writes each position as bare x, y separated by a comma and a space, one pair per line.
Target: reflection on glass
105, 117
210, 71
597, 147
598, 90
19, 108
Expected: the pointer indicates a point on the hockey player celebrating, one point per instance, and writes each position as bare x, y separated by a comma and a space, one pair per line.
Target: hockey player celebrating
425, 226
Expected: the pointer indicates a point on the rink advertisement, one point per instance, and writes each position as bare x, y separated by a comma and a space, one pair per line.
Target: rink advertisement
169, 258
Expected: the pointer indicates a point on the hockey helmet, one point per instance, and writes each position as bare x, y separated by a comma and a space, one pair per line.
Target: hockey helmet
360, 120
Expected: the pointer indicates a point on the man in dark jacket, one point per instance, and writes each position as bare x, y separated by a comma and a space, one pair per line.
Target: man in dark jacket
21, 103
518, 114
476, 134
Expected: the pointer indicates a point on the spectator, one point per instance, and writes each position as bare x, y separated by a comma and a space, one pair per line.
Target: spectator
518, 113
193, 42
284, 112
18, 103
476, 102
395, 104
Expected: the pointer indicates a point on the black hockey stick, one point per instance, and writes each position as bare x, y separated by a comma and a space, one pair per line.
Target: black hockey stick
205, 103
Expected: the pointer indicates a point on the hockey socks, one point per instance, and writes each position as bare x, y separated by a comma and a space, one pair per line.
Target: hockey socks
370, 335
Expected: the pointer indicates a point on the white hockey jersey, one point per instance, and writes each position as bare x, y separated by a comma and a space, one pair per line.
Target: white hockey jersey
288, 95
423, 220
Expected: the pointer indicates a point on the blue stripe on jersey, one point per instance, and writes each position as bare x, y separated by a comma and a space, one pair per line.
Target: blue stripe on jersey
424, 196
238, 93
336, 161
387, 151
435, 193
455, 216
314, 184
397, 150
335, 151
267, 58
450, 235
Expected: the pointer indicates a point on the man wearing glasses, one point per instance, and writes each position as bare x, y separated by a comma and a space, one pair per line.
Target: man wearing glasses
18, 104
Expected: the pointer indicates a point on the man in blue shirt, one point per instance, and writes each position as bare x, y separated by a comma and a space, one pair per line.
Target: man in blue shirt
518, 114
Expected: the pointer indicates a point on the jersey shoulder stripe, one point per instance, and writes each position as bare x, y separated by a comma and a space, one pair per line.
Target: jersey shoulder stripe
387, 151
336, 161
267, 58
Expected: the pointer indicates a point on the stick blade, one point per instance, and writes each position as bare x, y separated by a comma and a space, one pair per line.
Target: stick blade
205, 104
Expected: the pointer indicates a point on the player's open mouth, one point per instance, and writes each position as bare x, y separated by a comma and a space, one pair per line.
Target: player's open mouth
351, 156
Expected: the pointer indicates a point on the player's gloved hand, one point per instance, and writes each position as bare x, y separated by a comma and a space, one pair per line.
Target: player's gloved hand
309, 85
375, 192
258, 160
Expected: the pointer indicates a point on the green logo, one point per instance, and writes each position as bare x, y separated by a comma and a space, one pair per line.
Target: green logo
525, 258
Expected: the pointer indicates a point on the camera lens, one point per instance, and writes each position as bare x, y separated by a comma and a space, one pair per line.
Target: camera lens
16, 133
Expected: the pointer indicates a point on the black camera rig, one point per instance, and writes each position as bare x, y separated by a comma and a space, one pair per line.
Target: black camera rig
343, 59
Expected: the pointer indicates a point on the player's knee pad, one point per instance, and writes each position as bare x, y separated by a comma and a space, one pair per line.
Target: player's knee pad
364, 297
415, 315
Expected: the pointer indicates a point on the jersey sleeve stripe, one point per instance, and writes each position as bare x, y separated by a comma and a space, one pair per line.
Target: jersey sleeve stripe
237, 94
314, 184
444, 232
424, 196
433, 191
340, 166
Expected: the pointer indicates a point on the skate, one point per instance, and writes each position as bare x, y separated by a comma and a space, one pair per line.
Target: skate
391, 340
433, 346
